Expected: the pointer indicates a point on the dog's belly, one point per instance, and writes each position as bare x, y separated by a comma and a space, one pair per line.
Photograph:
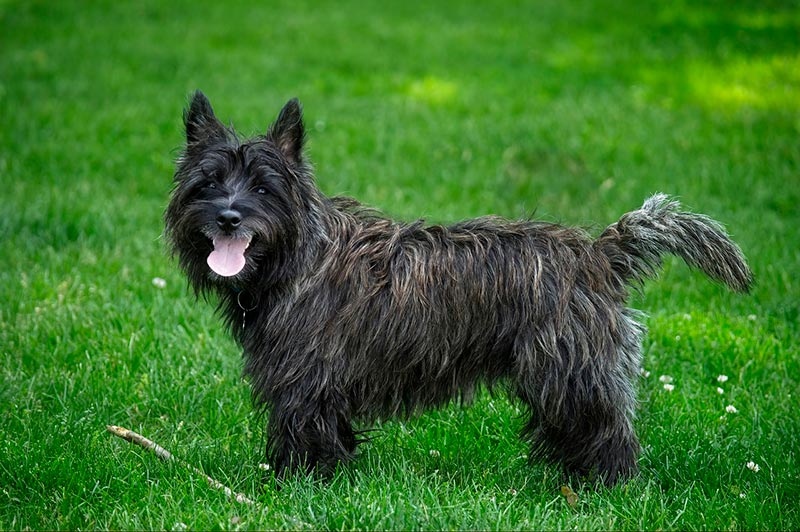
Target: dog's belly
406, 370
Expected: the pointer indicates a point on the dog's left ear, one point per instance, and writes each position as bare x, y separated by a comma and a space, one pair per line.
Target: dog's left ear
288, 132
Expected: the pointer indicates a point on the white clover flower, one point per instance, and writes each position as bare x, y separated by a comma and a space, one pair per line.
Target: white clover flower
158, 282
722, 378
669, 387
742, 495
720, 390
665, 378
752, 466
434, 453
752, 317
644, 373
731, 409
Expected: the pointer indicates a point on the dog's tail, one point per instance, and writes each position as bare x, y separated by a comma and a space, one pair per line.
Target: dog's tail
635, 244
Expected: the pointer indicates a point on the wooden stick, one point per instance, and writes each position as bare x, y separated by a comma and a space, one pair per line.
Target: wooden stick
165, 455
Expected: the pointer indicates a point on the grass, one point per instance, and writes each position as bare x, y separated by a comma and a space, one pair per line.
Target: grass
576, 110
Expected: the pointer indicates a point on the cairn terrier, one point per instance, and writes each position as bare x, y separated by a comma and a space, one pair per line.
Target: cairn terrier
344, 314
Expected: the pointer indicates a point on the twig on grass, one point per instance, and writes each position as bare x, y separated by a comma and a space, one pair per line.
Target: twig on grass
167, 456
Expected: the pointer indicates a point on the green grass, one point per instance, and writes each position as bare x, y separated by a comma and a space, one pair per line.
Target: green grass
577, 110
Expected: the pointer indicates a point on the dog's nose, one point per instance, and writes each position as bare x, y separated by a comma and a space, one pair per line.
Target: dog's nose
229, 219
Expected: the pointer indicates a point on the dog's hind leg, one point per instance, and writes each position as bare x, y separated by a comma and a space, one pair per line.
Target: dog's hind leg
582, 411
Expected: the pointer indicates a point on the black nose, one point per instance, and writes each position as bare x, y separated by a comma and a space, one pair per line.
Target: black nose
229, 219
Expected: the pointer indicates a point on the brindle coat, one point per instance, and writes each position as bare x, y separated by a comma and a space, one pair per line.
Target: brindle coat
344, 314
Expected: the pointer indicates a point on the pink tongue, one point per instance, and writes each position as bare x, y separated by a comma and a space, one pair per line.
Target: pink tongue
227, 259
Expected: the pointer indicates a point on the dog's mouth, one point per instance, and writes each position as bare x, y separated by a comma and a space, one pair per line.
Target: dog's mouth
227, 259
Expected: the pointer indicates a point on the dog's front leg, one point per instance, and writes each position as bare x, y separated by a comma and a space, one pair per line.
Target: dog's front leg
309, 428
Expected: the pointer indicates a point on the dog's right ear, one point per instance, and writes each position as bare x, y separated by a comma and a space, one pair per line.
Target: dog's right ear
200, 122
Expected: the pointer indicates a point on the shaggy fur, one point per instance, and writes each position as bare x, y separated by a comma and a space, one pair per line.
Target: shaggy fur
346, 315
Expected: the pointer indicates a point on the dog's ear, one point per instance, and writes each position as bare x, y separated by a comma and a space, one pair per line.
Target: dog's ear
288, 132
200, 122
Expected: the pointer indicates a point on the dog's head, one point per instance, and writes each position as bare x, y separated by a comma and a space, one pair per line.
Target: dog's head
237, 204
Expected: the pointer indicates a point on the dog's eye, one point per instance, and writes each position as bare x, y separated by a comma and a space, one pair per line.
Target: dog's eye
210, 184
261, 190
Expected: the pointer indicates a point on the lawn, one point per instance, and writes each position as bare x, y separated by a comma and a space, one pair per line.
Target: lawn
573, 110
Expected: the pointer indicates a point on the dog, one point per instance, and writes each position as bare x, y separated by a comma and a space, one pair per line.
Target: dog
346, 315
